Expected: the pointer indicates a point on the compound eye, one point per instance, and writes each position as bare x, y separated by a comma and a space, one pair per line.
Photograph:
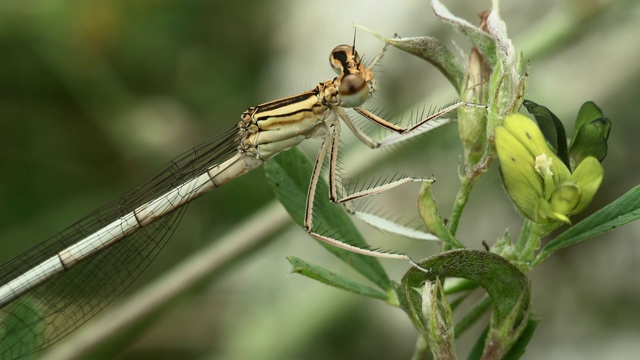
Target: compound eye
353, 91
351, 84
341, 56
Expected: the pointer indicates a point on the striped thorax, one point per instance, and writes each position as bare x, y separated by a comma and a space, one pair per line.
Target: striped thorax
272, 127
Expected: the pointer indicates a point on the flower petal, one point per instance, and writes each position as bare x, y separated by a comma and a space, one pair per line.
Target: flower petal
588, 176
564, 199
528, 133
524, 186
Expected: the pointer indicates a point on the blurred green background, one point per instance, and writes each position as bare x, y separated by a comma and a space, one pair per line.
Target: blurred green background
96, 95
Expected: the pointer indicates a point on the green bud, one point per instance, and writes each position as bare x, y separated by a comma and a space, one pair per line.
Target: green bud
589, 135
439, 317
589, 112
472, 121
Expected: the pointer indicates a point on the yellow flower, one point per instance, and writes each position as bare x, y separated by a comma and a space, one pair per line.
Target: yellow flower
537, 181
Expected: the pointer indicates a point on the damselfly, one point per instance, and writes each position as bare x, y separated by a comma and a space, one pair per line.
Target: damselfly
130, 231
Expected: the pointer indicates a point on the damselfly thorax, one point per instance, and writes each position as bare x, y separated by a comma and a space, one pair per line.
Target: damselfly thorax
270, 128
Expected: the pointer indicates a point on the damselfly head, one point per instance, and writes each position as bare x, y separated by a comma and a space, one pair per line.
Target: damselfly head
353, 76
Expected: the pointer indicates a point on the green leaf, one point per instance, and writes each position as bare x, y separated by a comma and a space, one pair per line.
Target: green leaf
289, 174
411, 303
516, 351
433, 51
551, 128
622, 211
478, 346
478, 38
519, 348
332, 279
503, 282
432, 219
472, 315
429, 49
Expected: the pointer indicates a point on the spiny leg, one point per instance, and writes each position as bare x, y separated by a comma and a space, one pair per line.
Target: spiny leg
401, 134
403, 131
364, 138
313, 184
399, 131
333, 161
333, 178
328, 143
366, 217
378, 57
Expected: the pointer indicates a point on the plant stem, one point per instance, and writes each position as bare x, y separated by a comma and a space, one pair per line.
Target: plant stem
421, 349
472, 316
525, 233
461, 200
529, 240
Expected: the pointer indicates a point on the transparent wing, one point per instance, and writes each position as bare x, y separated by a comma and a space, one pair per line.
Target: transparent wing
50, 311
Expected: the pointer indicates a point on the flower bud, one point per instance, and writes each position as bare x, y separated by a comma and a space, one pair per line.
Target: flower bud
472, 121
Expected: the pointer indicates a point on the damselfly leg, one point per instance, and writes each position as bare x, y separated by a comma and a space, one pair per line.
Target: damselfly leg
354, 86
102, 253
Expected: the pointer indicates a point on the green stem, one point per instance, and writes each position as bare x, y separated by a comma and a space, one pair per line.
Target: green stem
421, 349
472, 175
472, 316
529, 240
523, 239
538, 259
461, 201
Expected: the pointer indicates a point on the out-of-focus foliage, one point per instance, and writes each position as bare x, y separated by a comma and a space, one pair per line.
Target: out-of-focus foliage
96, 95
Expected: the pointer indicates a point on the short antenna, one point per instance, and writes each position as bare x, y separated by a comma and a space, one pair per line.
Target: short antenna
353, 48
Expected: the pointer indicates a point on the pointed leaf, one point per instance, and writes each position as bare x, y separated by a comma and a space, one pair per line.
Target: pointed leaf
429, 49
622, 211
478, 346
505, 52
411, 303
432, 219
433, 51
289, 174
519, 348
480, 39
332, 279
